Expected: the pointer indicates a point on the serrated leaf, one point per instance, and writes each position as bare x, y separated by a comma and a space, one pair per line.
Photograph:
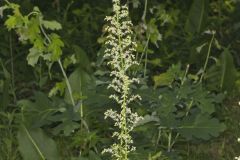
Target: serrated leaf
35, 144
11, 22
68, 121
165, 79
33, 30
67, 127
52, 25
42, 111
58, 88
33, 56
55, 47
201, 126
200, 96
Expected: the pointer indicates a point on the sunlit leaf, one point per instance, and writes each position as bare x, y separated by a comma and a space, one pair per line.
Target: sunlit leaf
52, 25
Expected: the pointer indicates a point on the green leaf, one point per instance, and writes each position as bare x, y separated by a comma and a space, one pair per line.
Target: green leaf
82, 84
153, 32
11, 22
197, 16
33, 56
52, 25
33, 30
43, 112
166, 79
69, 60
67, 127
201, 126
55, 47
35, 144
58, 88
224, 74
200, 97
228, 70
81, 57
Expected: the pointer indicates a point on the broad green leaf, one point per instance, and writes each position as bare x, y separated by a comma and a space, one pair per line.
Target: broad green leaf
42, 112
223, 74
33, 56
201, 126
228, 70
81, 58
52, 25
34, 144
82, 84
197, 16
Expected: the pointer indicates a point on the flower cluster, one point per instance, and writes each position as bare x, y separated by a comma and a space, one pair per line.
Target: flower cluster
119, 52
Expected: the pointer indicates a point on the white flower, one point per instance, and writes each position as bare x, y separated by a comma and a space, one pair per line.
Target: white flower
119, 53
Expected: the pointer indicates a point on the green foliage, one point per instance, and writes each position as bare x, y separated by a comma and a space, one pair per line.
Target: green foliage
201, 126
42, 111
52, 25
197, 16
223, 74
55, 47
167, 78
53, 80
35, 144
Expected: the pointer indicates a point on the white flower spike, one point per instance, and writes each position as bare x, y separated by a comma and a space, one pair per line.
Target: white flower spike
119, 52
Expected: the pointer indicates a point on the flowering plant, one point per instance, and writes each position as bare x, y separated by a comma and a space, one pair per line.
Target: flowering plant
119, 52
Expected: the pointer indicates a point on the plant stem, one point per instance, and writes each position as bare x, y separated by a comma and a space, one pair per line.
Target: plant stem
145, 11
67, 82
61, 66
66, 11
207, 59
146, 56
169, 140
34, 143
120, 40
185, 75
12, 68
175, 139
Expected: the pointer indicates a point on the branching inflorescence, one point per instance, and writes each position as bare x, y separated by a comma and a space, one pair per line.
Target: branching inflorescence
119, 52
